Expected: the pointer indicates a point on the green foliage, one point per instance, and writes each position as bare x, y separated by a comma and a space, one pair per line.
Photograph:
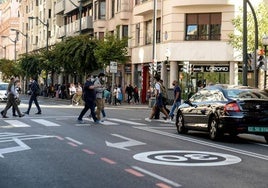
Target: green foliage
8, 68
30, 65
76, 55
111, 49
236, 38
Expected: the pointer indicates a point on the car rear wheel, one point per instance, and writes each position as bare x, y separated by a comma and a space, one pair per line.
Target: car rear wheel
180, 124
214, 132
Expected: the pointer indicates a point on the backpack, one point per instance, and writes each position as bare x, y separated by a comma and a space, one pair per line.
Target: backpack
163, 91
37, 89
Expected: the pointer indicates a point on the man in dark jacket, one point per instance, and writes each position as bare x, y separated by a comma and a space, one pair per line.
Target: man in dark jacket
89, 96
34, 91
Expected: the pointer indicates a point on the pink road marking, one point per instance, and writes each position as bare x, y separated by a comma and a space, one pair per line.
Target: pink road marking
59, 138
108, 160
134, 172
162, 185
88, 152
72, 144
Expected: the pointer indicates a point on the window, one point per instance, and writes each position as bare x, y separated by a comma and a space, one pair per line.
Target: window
113, 8
101, 35
149, 32
102, 10
95, 10
158, 30
138, 32
204, 26
125, 31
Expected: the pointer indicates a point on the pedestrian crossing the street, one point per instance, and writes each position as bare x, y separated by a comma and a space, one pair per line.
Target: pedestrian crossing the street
56, 122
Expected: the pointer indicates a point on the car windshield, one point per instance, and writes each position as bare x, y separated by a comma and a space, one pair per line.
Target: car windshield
245, 94
3, 86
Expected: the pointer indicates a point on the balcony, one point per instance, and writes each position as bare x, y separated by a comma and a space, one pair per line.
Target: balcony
73, 28
60, 7
146, 7
176, 3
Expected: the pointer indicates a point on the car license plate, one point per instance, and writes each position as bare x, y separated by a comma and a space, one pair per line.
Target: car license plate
258, 129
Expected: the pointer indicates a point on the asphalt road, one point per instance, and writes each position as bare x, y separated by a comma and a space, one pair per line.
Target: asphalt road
53, 150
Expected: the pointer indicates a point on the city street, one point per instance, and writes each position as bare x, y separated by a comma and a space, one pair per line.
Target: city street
124, 151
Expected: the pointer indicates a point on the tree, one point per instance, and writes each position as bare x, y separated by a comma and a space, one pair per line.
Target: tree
76, 55
236, 38
111, 49
8, 68
30, 65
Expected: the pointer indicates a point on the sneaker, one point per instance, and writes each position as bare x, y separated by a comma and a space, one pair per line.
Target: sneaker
168, 120
38, 113
80, 121
97, 121
148, 119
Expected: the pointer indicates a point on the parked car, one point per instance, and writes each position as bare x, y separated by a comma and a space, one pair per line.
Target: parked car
220, 109
3, 92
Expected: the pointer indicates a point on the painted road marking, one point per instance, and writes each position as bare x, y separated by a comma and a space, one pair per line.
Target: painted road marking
16, 123
125, 121
45, 122
187, 158
123, 145
200, 142
21, 147
157, 176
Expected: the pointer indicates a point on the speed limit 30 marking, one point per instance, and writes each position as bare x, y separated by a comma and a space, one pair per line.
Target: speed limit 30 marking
187, 158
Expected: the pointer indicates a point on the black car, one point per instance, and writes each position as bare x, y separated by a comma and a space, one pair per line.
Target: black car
219, 109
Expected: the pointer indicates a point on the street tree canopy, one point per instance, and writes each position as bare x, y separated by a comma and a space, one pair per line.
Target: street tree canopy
111, 49
236, 38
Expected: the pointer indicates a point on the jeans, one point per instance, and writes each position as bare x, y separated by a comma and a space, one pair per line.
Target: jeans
173, 108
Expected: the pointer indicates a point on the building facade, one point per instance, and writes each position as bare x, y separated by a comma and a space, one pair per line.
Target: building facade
166, 34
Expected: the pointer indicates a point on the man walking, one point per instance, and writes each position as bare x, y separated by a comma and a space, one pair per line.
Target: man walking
99, 88
89, 98
129, 90
177, 98
34, 92
11, 99
159, 100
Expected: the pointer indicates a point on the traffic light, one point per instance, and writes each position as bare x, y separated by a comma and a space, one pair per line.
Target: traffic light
191, 69
186, 67
260, 62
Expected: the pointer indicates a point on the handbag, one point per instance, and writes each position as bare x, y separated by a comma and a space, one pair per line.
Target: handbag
17, 100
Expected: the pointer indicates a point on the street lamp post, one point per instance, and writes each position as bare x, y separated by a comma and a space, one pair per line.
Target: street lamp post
45, 24
15, 45
25, 35
265, 44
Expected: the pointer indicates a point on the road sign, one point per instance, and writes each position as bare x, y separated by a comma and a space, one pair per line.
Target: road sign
113, 67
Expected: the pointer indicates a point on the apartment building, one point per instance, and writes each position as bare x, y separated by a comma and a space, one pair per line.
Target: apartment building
186, 31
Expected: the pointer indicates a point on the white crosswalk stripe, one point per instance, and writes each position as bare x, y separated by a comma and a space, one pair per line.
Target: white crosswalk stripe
11, 123
16, 123
45, 122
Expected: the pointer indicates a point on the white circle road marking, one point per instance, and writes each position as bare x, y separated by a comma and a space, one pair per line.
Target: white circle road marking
187, 158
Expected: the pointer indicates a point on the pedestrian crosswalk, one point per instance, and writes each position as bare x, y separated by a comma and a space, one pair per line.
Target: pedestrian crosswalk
54, 122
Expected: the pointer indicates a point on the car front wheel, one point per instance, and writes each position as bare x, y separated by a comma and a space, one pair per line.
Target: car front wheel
180, 124
214, 132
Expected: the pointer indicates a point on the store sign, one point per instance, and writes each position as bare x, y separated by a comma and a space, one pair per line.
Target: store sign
211, 69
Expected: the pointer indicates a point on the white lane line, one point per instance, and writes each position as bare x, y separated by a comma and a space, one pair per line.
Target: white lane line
45, 122
73, 140
125, 121
157, 176
222, 147
105, 122
16, 123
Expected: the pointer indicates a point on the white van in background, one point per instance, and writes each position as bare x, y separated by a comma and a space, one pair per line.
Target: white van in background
3, 92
